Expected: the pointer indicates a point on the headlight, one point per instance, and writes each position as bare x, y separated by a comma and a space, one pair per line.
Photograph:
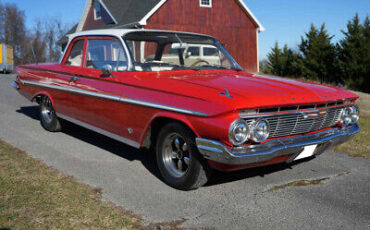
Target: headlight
238, 132
346, 118
260, 131
355, 114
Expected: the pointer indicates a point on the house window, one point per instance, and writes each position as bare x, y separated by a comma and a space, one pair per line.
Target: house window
97, 10
205, 3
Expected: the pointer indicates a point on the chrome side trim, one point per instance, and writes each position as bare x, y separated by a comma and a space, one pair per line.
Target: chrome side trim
15, 85
101, 131
114, 98
164, 107
216, 151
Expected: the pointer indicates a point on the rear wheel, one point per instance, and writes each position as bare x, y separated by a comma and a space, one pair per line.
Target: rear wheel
178, 158
48, 117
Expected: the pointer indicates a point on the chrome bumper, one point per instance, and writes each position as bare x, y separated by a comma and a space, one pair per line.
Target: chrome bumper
218, 152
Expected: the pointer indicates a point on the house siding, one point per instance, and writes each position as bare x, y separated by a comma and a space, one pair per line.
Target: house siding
226, 21
91, 23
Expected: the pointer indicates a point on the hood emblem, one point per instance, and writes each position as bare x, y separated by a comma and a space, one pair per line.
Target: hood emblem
226, 94
314, 114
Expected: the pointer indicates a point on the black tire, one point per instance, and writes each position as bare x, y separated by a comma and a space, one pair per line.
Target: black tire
197, 171
48, 117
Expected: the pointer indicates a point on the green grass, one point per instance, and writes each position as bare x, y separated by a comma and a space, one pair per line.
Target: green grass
359, 145
34, 196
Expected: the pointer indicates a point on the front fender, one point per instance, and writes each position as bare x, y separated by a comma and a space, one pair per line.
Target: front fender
173, 116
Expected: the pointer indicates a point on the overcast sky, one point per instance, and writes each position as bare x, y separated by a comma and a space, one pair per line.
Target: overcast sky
285, 20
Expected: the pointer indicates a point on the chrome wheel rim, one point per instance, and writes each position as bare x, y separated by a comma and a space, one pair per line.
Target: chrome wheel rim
176, 157
47, 111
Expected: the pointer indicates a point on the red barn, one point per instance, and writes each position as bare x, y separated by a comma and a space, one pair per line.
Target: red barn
229, 21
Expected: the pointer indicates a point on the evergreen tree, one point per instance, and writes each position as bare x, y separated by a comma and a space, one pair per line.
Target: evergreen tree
282, 62
274, 62
318, 55
289, 62
354, 55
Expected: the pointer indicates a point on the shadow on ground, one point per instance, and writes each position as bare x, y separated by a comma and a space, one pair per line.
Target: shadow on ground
146, 157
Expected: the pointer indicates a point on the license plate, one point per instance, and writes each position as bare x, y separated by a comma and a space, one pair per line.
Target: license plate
307, 152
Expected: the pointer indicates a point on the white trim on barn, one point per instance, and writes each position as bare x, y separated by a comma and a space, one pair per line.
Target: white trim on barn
84, 16
106, 9
85, 13
209, 5
143, 21
248, 11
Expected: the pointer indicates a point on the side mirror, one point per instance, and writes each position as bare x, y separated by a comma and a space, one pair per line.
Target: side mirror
107, 70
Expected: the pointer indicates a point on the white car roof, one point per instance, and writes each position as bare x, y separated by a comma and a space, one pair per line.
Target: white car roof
121, 32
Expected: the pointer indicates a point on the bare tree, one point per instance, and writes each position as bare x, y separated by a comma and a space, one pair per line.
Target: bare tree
53, 29
42, 38
13, 29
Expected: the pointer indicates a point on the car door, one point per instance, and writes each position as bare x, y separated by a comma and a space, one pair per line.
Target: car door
100, 105
63, 75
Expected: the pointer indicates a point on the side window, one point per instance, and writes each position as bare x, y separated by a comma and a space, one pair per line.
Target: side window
208, 51
194, 51
101, 52
75, 56
97, 10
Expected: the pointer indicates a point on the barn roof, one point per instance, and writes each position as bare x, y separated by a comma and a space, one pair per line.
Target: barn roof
134, 13
131, 13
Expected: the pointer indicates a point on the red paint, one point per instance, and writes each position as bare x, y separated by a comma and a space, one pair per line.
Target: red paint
186, 89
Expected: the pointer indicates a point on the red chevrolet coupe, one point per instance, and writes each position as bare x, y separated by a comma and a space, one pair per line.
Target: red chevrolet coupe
196, 108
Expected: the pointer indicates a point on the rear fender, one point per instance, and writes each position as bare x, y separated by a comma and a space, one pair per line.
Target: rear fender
43, 93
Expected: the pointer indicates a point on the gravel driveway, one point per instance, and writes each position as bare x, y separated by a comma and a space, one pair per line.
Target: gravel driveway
260, 198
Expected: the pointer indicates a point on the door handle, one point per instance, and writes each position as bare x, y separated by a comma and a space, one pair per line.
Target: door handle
73, 79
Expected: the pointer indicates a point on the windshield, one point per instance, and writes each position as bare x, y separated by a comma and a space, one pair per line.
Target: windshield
165, 51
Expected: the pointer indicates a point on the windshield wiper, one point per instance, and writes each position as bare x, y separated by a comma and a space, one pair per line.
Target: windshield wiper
212, 66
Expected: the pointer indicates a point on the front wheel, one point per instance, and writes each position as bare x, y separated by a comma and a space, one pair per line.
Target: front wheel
48, 117
178, 158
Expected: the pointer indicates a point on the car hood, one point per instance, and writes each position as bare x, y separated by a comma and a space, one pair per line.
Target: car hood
205, 91
246, 90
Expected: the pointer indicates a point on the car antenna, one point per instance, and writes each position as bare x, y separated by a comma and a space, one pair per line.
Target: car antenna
34, 55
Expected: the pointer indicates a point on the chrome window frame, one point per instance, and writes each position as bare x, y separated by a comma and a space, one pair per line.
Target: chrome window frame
125, 48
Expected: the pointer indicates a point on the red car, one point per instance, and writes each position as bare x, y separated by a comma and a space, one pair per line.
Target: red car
197, 115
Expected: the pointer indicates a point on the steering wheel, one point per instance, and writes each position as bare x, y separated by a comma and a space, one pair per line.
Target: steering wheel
199, 62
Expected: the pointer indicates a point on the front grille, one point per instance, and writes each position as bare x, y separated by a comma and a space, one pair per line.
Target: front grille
297, 123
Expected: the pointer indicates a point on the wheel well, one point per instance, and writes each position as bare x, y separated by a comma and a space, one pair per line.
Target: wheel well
38, 98
154, 129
